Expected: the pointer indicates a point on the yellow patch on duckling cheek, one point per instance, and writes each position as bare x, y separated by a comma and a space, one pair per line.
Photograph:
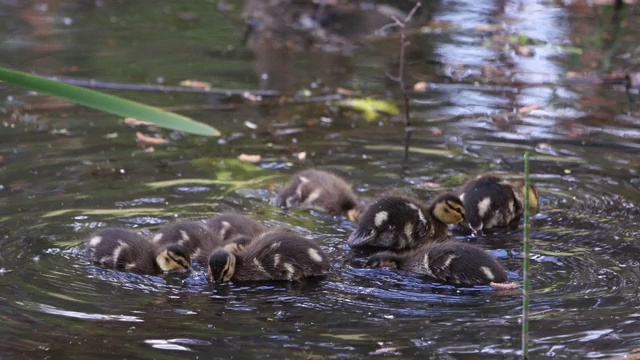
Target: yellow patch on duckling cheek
353, 215
533, 198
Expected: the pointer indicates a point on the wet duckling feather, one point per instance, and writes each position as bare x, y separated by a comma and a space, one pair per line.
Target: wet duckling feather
274, 255
399, 223
490, 201
448, 262
320, 190
125, 250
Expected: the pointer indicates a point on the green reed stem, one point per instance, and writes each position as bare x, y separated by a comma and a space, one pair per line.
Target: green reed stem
525, 263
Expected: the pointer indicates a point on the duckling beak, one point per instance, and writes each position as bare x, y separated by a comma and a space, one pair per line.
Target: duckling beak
357, 238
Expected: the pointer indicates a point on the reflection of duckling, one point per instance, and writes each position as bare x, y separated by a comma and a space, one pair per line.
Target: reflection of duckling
122, 249
449, 262
228, 226
194, 236
492, 202
398, 223
274, 255
320, 190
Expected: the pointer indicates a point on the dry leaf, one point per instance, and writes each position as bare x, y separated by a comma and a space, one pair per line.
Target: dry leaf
384, 350
251, 97
343, 91
421, 86
135, 122
528, 109
249, 158
314, 357
524, 51
488, 27
196, 84
149, 140
2, 161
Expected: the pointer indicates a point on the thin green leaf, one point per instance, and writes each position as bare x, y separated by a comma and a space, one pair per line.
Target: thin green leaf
108, 103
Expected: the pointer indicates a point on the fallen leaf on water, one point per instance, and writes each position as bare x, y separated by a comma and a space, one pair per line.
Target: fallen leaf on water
384, 350
249, 158
343, 91
370, 108
135, 122
2, 161
149, 140
301, 155
421, 86
488, 27
314, 357
523, 51
528, 109
571, 50
196, 84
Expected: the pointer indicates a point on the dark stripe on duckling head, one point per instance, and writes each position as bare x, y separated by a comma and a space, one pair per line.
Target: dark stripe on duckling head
178, 261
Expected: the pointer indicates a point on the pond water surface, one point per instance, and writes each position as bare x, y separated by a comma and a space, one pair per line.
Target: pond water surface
67, 171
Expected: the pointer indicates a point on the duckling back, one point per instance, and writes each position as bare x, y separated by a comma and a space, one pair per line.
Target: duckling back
194, 236
281, 255
491, 202
396, 223
456, 263
320, 190
228, 226
124, 250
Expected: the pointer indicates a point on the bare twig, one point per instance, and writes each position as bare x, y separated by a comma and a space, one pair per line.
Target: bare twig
402, 24
525, 265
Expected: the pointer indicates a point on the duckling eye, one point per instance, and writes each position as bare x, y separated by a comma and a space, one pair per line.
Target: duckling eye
180, 262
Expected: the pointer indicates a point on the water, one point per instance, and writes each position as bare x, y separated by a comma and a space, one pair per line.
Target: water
71, 170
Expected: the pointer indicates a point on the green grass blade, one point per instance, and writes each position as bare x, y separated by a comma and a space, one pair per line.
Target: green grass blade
525, 265
105, 102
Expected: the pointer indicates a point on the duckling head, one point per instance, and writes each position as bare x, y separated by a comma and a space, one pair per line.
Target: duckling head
222, 265
448, 208
174, 258
354, 213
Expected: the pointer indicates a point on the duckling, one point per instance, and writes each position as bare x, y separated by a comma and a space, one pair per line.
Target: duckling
196, 238
229, 226
491, 202
123, 249
320, 190
448, 262
274, 255
398, 223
